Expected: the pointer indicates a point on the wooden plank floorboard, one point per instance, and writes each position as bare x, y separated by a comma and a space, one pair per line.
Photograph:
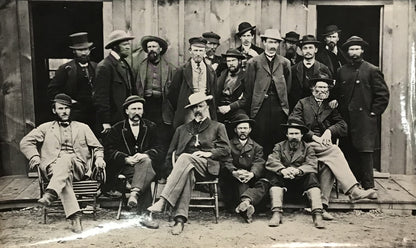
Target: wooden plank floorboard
31, 192
393, 192
4, 181
408, 182
13, 189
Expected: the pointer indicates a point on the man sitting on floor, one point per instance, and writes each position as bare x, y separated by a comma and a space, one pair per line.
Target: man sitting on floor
64, 153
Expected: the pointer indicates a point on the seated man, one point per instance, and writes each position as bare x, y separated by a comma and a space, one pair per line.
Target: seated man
243, 167
63, 157
293, 167
131, 149
200, 145
325, 125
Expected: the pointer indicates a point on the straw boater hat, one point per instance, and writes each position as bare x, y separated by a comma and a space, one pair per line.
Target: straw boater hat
295, 123
291, 36
197, 98
355, 40
80, 41
162, 43
232, 52
132, 99
308, 39
64, 99
272, 34
331, 29
244, 27
212, 37
242, 118
117, 36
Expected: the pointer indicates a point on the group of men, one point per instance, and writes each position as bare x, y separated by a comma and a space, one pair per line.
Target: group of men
263, 123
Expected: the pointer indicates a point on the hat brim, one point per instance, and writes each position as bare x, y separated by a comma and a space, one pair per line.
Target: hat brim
315, 42
213, 40
245, 30
207, 98
270, 37
235, 123
82, 46
354, 43
238, 56
332, 32
126, 104
303, 129
313, 81
112, 42
64, 102
290, 39
163, 44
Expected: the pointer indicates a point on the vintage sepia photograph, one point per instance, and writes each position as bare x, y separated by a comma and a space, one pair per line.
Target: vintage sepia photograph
208, 123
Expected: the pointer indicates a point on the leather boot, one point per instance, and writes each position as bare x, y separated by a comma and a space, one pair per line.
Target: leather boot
276, 198
317, 220
246, 210
314, 195
132, 202
48, 197
76, 222
356, 193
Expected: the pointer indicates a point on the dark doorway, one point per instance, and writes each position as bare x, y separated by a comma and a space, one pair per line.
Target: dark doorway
363, 21
52, 23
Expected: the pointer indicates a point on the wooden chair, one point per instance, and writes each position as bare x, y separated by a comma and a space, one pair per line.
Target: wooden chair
86, 191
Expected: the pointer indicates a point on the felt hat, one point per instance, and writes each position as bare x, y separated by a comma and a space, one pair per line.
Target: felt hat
79, 41
295, 123
321, 78
197, 98
117, 36
242, 118
232, 52
244, 27
272, 34
132, 99
331, 29
291, 36
162, 43
308, 39
354, 40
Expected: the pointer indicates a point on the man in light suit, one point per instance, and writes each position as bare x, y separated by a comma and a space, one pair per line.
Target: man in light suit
63, 156
200, 146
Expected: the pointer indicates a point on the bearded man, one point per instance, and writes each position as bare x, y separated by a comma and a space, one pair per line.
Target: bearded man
289, 48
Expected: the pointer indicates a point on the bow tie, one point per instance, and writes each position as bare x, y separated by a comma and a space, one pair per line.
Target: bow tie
64, 123
135, 124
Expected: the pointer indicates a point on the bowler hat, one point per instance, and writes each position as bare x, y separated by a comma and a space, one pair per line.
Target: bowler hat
117, 36
80, 41
295, 123
244, 27
242, 118
308, 39
197, 98
232, 52
162, 43
132, 99
197, 41
320, 78
212, 37
272, 34
354, 40
331, 29
64, 99
291, 36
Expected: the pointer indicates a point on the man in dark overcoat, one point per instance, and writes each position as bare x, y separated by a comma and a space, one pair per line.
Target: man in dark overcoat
289, 48
76, 78
268, 83
192, 77
246, 34
306, 69
213, 42
329, 53
113, 81
199, 147
362, 95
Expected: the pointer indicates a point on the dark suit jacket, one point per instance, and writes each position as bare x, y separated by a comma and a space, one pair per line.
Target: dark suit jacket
259, 78
111, 88
331, 60
212, 137
181, 89
258, 50
237, 98
304, 158
248, 157
320, 118
300, 88
360, 90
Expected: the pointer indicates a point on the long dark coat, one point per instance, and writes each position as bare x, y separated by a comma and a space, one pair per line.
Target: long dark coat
258, 50
237, 98
327, 58
300, 88
360, 90
181, 89
111, 88
320, 118
212, 137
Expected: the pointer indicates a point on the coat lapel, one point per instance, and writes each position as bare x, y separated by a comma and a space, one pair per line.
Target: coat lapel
187, 71
55, 130
247, 147
298, 153
165, 71
128, 136
264, 63
299, 73
74, 131
314, 105
142, 71
286, 150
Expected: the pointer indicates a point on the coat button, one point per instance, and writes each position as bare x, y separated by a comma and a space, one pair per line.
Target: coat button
357, 82
361, 109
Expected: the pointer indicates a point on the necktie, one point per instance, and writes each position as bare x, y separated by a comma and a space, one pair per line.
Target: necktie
135, 124
64, 123
199, 71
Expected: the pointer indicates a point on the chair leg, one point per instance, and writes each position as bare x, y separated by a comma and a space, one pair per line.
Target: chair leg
44, 214
336, 188
94, 210
154, 196
216, 203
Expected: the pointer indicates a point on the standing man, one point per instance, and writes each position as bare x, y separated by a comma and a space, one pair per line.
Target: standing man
330, 54
113, 81
63, 156
76, 79
194, 76
243, 168
231, 87
268, 83
132, 148
305, 70
199, 146
246, 34
289, 49
362, 95
213, 42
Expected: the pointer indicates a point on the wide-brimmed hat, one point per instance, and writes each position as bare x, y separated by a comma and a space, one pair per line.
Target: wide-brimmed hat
331, 29
132, 99
271, 34
197, 98
162, 43
117, 36
308, 39
242, 118
198, 41
291, 36
79, 41
64, 99
212, 37
295, 123
321, 78
244, 27
232, 52
354, 41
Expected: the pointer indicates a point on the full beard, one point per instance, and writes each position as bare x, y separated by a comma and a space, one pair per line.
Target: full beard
294, 143
153, 57
331, 45
290, 53
83, 59
321, 95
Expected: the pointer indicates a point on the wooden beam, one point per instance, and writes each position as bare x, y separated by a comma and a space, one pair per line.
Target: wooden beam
311, 20
351, 2
283, 16
107, 23
181, 32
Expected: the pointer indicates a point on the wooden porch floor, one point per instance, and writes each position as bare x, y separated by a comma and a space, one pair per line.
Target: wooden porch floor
396, 193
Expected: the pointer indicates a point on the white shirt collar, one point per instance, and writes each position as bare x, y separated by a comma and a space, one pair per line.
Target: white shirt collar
131, 124
334, 51
243, 142
312, 62
194, 65
115, 55
83, 65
